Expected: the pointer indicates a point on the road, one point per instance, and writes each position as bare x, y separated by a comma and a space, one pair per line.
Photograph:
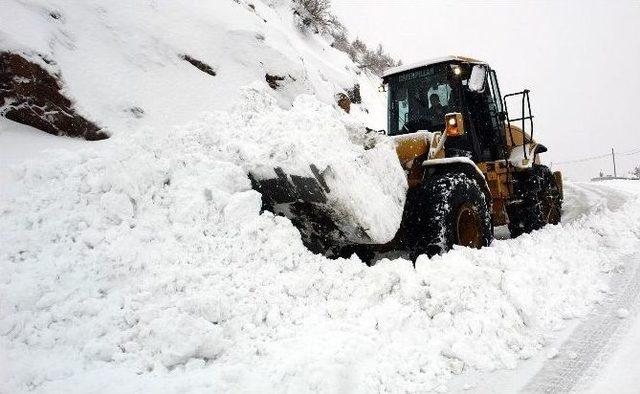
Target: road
597, 354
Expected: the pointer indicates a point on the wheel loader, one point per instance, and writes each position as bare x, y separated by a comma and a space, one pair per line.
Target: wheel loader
471, 164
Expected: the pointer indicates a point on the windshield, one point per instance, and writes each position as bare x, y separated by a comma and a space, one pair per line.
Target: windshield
419, 100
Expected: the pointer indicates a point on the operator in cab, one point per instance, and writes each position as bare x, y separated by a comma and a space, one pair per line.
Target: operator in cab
437, 111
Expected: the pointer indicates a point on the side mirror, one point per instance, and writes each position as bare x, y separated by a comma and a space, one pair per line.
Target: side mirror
476, 80
454, 125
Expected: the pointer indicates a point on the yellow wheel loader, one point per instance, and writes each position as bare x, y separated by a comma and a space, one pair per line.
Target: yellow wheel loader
470, 163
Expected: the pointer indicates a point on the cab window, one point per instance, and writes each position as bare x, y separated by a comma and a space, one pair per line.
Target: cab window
419, 100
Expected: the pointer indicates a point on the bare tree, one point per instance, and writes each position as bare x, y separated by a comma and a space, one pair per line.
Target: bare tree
359, 47
341, 43
376, 61
316, 15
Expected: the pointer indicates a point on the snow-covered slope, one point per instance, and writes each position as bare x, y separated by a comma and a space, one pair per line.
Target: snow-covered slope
123, 62
131, 66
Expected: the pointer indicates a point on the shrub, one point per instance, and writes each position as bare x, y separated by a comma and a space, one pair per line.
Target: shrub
315, 15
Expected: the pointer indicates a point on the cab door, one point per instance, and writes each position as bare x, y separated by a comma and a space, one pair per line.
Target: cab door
485, 110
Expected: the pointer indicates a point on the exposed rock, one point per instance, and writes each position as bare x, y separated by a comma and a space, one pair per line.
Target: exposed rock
273, 80
344, 102
55, 15
31, 95
136, 111
204, 67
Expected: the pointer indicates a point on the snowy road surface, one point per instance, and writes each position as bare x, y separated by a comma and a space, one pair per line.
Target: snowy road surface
599, 353
584, 354
590, 359
126, 270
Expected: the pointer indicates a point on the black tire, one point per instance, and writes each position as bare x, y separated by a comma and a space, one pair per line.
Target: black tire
539, 204
452, 210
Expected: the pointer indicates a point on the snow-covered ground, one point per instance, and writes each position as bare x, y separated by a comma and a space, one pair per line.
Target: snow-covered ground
143, 263
620, 373
146, 264
594, 353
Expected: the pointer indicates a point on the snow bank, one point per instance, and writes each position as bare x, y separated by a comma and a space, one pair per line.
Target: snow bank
147, 265
367, 186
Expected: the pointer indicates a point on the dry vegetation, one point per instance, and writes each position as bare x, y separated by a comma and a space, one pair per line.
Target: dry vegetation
316, 16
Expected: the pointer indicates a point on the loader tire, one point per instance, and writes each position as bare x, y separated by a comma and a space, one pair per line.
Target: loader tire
540, 202
452, 210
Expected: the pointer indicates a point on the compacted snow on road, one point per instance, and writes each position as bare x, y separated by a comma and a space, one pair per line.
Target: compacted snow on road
141, 264
595, 353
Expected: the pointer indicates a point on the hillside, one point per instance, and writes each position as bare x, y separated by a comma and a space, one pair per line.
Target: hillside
126, 65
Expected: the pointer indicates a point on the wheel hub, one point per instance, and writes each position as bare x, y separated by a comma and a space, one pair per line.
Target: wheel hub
469, 227
550, 210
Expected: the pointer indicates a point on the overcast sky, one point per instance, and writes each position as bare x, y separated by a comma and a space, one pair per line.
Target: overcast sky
580, 59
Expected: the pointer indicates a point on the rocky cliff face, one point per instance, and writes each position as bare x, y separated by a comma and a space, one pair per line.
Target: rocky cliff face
31, 95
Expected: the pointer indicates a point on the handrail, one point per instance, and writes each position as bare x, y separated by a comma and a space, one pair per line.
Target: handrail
525, 105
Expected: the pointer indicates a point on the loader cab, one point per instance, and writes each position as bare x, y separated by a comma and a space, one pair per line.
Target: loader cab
419, 96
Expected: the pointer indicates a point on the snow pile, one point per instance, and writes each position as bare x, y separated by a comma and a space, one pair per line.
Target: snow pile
367, 186
146, 265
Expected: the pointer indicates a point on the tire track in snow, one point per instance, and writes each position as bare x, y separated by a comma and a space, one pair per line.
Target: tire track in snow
593, 342
581, 199
612, 198
585, 198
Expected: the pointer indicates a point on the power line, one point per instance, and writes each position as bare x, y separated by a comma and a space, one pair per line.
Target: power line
584, 159
631, 150
590, 158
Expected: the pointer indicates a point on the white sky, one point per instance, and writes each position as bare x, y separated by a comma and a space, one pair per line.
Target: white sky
580, 59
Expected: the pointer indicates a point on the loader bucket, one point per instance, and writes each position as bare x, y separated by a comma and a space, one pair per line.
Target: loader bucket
306, 201
287, 189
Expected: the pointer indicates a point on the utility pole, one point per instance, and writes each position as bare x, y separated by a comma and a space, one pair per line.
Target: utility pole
613, 156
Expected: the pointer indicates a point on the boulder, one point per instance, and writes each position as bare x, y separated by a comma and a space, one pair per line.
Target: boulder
31, 95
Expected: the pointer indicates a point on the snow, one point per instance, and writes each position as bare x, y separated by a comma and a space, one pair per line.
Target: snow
119, 57
590, 354
477, 78
517, 155
148, 264
367, 186
122, 64
143, 263
620, 374
22, 142
622, 313
406, 67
